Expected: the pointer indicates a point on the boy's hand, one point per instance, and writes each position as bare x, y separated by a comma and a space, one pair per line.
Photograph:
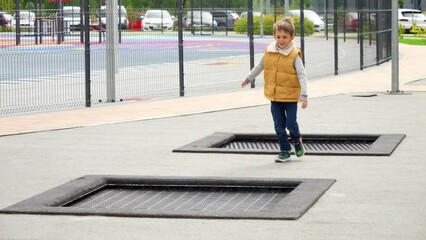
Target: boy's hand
304, 103
245, 82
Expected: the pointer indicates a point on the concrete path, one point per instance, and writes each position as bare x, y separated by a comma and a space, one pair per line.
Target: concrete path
373, 198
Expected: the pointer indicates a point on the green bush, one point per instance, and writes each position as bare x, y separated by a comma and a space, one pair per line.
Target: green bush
268, 22
401, 30
241, 25
416, 30
5, 29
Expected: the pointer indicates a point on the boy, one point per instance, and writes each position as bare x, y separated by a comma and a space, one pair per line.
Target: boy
285, 85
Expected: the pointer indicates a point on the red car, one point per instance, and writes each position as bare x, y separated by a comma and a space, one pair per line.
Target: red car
3, 20
352, 22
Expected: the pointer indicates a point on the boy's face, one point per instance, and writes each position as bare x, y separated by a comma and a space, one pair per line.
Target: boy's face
283, 38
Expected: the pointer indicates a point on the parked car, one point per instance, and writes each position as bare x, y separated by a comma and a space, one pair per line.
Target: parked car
71, 17
235, 15
407, 18
311, 15
123, 22
244, 14
352, 21
157, 20
9, 19
26, 19
196, 19
225, 19
135, 20
3, 21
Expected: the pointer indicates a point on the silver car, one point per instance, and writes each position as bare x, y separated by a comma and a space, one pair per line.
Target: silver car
196, 19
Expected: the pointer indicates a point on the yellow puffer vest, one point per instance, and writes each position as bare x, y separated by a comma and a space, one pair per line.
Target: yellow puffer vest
280, 76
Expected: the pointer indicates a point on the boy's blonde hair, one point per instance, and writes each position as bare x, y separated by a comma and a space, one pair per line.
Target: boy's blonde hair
285, 24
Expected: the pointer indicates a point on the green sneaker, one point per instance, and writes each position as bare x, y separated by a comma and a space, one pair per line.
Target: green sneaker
299, 148
283, 157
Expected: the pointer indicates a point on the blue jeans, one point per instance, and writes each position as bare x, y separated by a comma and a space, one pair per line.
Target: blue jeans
284, 115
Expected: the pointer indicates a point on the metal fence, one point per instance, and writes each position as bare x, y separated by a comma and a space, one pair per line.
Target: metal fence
61, 63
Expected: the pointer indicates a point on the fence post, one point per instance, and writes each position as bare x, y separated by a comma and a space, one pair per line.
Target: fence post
326, 19
361, 36
378, 35
86, 26
101, 28
60, 21
336, 40
250, 34
180, 42
36, 22
261, 20
302, 29
345, 7
41, 22
119, 21
82, 21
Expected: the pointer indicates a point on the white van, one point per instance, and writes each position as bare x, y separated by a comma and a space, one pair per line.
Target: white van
71, 16
123, 22
408, 17
26, 19
319, 24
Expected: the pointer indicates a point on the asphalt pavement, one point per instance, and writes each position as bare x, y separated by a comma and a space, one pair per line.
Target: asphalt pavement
373, 197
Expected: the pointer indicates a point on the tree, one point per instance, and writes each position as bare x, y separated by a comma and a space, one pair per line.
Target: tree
295, 4
7, 5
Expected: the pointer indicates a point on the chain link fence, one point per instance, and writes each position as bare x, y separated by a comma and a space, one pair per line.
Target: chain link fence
69, 58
